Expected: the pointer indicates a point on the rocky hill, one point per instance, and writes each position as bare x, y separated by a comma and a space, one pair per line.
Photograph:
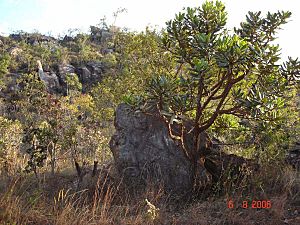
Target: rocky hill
86, 56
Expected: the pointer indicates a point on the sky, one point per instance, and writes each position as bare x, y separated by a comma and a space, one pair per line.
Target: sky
56, 17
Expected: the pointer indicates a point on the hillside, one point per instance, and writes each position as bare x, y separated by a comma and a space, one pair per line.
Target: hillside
191, 124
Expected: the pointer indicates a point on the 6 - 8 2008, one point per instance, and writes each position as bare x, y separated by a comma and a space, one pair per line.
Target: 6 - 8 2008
254, 204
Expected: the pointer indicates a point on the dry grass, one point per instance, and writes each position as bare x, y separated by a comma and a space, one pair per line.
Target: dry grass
107, 201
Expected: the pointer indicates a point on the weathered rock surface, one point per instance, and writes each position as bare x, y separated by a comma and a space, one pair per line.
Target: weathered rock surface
144, 151
63, 70
84, 74
100, 35
55, 80
51, 82
32, 38
90, 74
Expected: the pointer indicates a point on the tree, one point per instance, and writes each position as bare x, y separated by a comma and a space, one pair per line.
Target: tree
220, 72
137, 57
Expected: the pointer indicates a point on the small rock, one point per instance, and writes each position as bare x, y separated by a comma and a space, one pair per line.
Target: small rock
15, 51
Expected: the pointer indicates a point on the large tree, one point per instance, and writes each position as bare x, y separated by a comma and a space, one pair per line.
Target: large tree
220, 71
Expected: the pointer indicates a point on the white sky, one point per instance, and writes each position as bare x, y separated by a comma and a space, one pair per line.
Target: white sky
57, 16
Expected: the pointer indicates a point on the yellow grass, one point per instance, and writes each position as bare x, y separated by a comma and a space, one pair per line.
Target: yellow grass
56, 201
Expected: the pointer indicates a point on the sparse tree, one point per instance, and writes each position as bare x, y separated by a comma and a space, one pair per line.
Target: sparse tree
220, 72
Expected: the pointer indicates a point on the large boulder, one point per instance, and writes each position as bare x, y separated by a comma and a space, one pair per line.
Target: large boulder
50, 80
55, 80
89, 73
144, 151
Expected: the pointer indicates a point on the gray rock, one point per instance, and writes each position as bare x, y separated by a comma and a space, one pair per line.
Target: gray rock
63, 70
143, 151
108, 51
95, 34
67, 38
84, 74
89, 74
106, 36
85, 77
96, 68
51, 82
100, 35
32, 39
17, 37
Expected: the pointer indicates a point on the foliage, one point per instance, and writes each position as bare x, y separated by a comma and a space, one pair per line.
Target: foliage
73, 84
4, 63
222, 73
138, 58
37, 139
227, 83
196, 72
10, 138
31, 98
85, 51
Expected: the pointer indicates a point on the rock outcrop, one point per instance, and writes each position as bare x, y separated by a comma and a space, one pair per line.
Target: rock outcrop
143, 151
89, 74
32, 39
100, 35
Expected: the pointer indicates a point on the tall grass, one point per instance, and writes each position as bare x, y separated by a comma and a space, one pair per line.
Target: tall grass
105, 199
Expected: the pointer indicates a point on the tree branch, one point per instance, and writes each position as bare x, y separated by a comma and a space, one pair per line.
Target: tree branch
212, 119
211, 97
